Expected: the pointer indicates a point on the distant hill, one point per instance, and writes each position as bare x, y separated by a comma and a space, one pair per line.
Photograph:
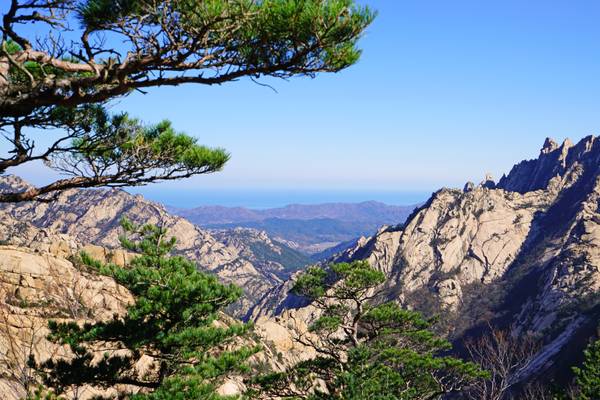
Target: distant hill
308, 228
368, 211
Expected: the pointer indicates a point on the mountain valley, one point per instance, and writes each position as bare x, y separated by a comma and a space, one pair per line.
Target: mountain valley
311, 229
522, 254
90, 220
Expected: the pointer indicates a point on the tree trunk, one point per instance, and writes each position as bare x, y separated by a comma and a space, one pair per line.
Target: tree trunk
4, 67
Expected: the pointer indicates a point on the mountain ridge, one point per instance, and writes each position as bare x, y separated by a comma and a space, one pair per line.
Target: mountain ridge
85, 217
311, 229
523, 254
345, 211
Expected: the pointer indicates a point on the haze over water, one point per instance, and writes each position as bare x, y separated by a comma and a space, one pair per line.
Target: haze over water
272, 198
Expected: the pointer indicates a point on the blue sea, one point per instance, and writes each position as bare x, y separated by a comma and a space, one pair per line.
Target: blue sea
271, 198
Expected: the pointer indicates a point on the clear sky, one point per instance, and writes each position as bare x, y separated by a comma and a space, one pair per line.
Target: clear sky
445, 92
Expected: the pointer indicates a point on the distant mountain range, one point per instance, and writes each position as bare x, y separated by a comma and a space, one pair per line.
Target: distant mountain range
308, 228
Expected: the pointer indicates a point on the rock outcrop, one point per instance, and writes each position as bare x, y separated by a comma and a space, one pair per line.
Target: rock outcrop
521, 253
554, 160
90, 220
37, 286
267, 255
528, 246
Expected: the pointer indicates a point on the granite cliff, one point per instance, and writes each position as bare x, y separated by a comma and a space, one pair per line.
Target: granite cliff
523, 253
89, 220
39, 284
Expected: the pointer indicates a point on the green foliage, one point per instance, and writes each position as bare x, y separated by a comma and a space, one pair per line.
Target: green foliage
102, 141
11, 47
587, 377
366, 351
268, 32
42, 393
94, 14
20, 75
311, 283
126, 137
347, 280
150, 43
399, 359
173, 319
101, 149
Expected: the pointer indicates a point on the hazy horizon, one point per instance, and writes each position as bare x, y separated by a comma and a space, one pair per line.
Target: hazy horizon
260, 199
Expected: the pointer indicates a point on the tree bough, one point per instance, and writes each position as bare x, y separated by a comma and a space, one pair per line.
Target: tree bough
97, 50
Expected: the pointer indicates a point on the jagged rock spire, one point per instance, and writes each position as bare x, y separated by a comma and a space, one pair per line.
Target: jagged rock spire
549, 146
553, 162
488, 182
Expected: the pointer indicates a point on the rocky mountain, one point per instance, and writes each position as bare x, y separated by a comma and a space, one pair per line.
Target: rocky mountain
247, 258
311, 236
38, 284
309, 228
523, 253
265, 253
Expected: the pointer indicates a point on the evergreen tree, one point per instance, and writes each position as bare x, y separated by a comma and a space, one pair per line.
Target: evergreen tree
587, 377
89, 52
173, 320
366, 351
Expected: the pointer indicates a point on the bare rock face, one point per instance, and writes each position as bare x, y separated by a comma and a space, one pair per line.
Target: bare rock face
554, 160
450, 293
488, 182
270, 256
281, 349
534, 237
464, 237
36, 287
531, 243
469, 187
90, 220
470, 236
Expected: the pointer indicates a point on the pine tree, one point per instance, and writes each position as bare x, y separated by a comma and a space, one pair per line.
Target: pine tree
173, 320
366, 350
587, 377
89, 52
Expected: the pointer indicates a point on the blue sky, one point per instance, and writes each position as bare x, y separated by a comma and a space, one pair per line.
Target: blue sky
444, 92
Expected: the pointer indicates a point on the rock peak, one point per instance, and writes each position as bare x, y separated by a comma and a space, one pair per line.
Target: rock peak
554, 162
488, 182
567, 143
11, 183
549, 146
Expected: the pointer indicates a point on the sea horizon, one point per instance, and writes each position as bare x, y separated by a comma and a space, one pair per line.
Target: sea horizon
273, 198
